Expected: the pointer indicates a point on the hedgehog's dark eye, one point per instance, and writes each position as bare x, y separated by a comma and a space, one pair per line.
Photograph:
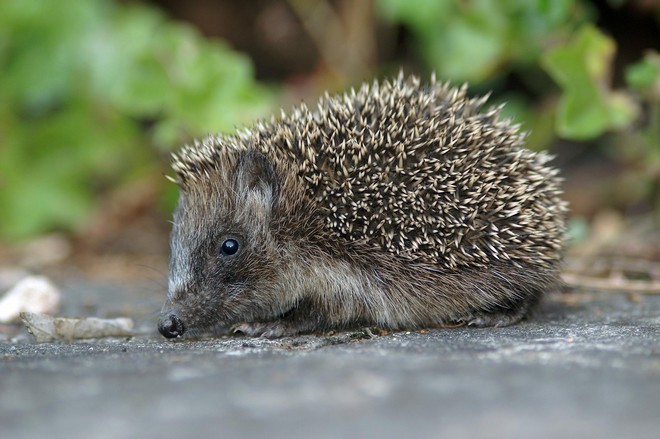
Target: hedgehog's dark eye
229, 247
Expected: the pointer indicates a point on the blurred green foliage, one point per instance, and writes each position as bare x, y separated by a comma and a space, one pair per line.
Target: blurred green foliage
92, 91
645, 77
87, 87
587, 107
554, 49
641, 147
476, 40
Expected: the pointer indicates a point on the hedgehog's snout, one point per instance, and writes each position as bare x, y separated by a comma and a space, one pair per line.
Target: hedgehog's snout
171, 326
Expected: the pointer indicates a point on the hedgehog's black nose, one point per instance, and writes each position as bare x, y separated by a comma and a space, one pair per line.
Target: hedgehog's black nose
171, 326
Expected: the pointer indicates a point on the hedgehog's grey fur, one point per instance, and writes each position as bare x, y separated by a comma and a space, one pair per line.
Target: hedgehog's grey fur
400, 205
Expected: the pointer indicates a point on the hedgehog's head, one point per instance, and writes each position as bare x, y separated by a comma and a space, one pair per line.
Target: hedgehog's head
224, 259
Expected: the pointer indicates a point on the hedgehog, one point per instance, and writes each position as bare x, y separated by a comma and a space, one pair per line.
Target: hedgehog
401, 205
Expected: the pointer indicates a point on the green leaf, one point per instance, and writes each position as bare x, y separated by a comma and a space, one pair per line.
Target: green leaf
418, 13
466, 51
582, 68
644, 76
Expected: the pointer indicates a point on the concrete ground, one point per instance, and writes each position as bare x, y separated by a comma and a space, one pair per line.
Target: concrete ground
587, 366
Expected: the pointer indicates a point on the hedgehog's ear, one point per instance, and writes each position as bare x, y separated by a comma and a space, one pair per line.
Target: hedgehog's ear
256, 176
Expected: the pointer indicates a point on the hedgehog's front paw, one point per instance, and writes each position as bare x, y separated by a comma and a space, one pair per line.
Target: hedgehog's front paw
266, 329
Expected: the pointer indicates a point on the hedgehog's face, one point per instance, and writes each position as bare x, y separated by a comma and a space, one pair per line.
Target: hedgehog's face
223, 256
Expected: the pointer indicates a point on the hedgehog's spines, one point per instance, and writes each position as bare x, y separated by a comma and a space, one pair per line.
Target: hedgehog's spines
419, 171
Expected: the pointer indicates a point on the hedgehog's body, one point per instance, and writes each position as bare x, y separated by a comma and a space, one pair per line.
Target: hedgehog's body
399, 205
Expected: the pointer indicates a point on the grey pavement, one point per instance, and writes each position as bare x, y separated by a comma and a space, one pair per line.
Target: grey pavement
588, 367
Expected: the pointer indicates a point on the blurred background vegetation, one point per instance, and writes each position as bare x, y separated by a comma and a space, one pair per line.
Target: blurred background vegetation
94, 94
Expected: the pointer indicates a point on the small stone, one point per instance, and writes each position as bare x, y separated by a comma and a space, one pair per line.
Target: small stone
35, 294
